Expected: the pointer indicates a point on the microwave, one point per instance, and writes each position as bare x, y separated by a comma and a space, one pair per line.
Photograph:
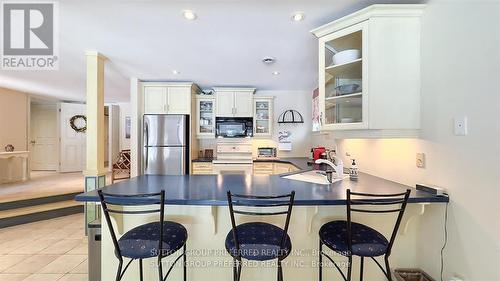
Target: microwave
267, 152
233, 127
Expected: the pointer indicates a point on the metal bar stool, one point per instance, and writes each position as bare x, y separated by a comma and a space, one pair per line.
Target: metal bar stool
259, 241
354, 239
144, 241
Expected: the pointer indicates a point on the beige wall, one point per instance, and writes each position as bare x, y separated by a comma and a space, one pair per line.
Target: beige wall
460, 76
13, 118
13, 127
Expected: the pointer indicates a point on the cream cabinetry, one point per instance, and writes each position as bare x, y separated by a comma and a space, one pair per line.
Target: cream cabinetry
263, 116
282, 168
205, 121
202, 168
259, 168
270, 168
263, 168
167, 98
234, 102
374, 92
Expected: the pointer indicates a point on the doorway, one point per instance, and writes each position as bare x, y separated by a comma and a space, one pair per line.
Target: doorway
44, 143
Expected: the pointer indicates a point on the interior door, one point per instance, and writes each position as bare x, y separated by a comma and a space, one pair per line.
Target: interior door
43, 143
179, 100
225, 104
243, 103
73, 144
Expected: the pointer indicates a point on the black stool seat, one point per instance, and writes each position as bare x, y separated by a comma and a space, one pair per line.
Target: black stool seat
142, 242
366, 241
258, 241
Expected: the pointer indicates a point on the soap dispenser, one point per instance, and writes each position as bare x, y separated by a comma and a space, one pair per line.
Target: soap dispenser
353, 171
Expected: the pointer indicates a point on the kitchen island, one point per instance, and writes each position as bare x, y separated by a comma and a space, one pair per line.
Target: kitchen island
199, 203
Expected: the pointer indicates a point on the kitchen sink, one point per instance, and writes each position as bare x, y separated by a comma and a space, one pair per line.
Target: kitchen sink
317, 177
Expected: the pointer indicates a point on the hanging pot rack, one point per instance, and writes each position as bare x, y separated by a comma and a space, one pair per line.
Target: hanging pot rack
290, 116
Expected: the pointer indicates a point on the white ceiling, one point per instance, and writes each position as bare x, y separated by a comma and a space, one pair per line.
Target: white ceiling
149, 39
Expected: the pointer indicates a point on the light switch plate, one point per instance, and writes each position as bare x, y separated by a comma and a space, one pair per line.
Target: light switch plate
460, 126
420, 160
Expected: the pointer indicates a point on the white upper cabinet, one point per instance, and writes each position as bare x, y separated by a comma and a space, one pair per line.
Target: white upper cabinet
243, 103
234, 102
369, 72
155, 99
168, 98
179, 100
263, 117
225, 103
205, 126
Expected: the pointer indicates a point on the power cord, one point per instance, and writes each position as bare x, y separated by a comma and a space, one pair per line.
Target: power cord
445, 238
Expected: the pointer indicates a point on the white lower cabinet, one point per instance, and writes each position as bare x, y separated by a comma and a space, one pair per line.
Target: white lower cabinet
259, 168
202, 168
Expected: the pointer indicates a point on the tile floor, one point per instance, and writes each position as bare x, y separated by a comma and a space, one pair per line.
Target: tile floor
50, 250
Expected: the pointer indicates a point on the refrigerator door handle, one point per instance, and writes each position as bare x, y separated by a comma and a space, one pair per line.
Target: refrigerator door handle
146, 142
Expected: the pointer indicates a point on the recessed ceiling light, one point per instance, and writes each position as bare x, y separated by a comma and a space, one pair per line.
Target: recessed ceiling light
276, 72
298, 16
176, 72
189, 15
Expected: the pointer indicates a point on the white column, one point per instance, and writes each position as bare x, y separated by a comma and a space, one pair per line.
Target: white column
95, 174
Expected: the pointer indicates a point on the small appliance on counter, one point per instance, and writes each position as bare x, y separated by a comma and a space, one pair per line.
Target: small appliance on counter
267, 153
317, 152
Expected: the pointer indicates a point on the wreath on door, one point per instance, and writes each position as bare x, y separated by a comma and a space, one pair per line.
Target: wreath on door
78, 123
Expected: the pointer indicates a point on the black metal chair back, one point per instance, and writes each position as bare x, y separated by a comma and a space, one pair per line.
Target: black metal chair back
253, 205
386, 203
147, 199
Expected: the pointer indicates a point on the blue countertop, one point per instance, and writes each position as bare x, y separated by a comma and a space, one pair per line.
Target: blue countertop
210, 190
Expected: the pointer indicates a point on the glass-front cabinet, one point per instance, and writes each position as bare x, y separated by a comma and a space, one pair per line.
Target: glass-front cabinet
369, 72
205, 107
263, 116
343, 95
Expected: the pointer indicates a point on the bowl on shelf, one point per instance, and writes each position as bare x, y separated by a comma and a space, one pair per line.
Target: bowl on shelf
346, 56
347, 89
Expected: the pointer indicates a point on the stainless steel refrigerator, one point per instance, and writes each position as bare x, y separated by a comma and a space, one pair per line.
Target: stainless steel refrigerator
166, 149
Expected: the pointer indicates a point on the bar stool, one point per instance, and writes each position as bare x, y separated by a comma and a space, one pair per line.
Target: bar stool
259, 241
354, 239
143, 241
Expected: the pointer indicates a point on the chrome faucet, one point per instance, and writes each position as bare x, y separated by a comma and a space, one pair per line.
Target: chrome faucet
339, 168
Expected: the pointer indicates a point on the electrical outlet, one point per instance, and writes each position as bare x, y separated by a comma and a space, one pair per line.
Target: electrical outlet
460, 126
420, 160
